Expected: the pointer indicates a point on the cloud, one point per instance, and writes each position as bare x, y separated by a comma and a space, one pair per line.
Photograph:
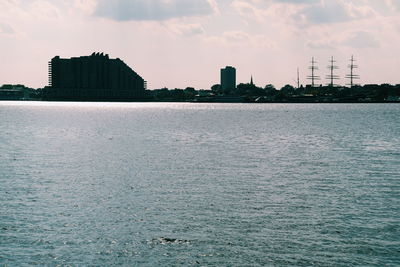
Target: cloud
187, 29
324, 12
6, 28
248, 10
353, 39
306, 13
361, 39
240, 38
121, 10
236, 36
297, 1
44, 10
329, 12
30, 10
85, 5
244, 8
324, 44
395, 4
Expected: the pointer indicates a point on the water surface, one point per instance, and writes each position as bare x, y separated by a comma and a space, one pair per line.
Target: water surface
199, 184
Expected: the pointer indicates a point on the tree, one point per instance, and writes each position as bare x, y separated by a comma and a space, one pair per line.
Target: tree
288, 90
270, 90
177, 94
216, 88
190, 93
248, 89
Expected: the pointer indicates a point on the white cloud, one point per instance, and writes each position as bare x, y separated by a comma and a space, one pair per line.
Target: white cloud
244, 8
122, 10
214, 6
23, 9
242, 39
236, 37
87, 6
330, 12
321, 44
44, 10
395, 4
6, 28
305, 13
187, 29
361, 39
353, 39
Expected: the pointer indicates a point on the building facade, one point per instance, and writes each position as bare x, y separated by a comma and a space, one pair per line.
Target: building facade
228, 79
93, 78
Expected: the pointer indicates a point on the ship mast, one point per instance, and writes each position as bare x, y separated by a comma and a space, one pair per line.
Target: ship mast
313, 77
331, 77
352, 76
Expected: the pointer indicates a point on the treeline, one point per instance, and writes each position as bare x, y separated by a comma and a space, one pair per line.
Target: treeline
247, 93
269, 94
165, 94
18, 92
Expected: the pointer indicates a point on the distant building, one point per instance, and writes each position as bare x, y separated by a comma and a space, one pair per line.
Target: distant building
93, 78
228, 79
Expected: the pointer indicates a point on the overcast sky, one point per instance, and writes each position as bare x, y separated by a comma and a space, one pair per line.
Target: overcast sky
180, 43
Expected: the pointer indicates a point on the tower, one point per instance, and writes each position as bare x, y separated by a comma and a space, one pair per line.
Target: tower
228, 79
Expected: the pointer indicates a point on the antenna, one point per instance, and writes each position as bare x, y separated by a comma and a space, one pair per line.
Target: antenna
298, 78
331, 77
313, 68
352, 76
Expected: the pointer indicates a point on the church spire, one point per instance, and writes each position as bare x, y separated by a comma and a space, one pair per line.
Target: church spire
251, 80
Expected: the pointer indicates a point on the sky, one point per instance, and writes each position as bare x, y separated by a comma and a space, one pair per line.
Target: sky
182, 43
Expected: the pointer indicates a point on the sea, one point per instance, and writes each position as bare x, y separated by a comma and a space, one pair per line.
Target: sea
197, 184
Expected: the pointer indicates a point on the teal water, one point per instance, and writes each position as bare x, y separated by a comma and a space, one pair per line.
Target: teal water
169, 184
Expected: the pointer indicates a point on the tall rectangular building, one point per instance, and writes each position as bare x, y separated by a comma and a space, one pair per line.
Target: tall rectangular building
93, 78
228, 78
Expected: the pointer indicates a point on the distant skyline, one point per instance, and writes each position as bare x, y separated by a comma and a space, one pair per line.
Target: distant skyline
181, 43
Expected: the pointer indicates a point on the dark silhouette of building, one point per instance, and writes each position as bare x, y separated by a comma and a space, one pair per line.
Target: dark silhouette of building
228, 79
93, 78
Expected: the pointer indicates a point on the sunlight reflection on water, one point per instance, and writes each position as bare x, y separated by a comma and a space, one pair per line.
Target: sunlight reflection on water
199, 184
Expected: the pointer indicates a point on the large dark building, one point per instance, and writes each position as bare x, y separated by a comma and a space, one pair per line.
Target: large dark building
93, 78
228, 79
